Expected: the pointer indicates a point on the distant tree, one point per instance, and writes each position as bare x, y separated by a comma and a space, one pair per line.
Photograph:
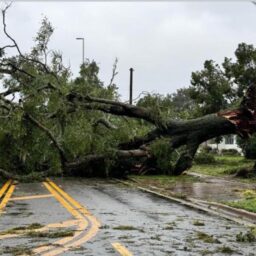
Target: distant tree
211, 89
219, 87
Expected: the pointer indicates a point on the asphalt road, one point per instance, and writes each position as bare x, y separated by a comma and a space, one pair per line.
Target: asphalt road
96, 217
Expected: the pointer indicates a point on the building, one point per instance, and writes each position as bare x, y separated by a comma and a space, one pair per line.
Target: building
228, 142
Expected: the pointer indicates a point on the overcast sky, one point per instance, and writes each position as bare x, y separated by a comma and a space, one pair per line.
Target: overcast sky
163, 41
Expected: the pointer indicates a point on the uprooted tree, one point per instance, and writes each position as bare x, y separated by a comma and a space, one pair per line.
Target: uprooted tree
53, 124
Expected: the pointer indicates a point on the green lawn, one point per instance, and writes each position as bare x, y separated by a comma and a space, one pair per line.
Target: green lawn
248, 204
225, 165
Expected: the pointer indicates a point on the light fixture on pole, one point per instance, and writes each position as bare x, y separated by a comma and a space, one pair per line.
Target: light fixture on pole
82, 38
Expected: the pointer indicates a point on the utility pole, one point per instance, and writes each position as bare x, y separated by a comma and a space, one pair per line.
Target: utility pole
82, 38
131, 85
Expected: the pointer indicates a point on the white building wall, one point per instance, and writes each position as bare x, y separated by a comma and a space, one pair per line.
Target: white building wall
223, 145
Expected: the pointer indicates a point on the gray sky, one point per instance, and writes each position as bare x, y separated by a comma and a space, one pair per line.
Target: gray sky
163, 41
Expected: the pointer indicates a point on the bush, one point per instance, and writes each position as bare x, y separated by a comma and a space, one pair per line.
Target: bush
230, 152
204, 158
206, 149
164, 155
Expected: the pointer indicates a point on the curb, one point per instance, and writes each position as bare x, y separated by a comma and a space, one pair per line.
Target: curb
220, 210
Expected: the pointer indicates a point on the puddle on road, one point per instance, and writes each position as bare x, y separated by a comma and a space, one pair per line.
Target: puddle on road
200, 188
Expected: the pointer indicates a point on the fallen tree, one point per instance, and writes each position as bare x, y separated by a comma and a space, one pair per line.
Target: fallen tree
190, 133
51, 122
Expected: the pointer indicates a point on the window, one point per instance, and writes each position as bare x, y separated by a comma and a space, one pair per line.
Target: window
229, 139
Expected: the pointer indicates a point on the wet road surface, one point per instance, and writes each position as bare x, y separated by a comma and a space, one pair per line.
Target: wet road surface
96, 217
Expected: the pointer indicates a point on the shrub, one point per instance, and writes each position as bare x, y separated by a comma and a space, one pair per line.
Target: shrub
247, 237
204, 158
230, 152
163, 154
206, 149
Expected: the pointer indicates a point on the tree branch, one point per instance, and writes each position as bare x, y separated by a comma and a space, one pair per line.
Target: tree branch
50, 135
114, 73
104, 122
115, 108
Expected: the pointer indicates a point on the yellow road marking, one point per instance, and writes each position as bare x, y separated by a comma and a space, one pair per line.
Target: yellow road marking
7, 197
31, 197
121, 249
82, 224
95, 224
63, 202
70, 199
4, 188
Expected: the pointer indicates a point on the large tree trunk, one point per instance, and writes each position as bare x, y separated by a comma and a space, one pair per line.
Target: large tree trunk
190, 134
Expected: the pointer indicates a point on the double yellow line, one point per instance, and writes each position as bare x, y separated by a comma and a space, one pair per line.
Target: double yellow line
80, 213
87, 224
6, 191
84, 220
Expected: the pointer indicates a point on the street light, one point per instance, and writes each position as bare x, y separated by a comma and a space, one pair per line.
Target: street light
81, 38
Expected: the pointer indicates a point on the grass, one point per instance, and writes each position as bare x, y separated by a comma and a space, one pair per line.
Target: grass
225, 165
156, 237
127, 228
104, 227
248, 237
207, 238
170, 225
22, 228
30, 231
50, 234
18, 250
198, 223
124, 237
248, 202
225, 250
